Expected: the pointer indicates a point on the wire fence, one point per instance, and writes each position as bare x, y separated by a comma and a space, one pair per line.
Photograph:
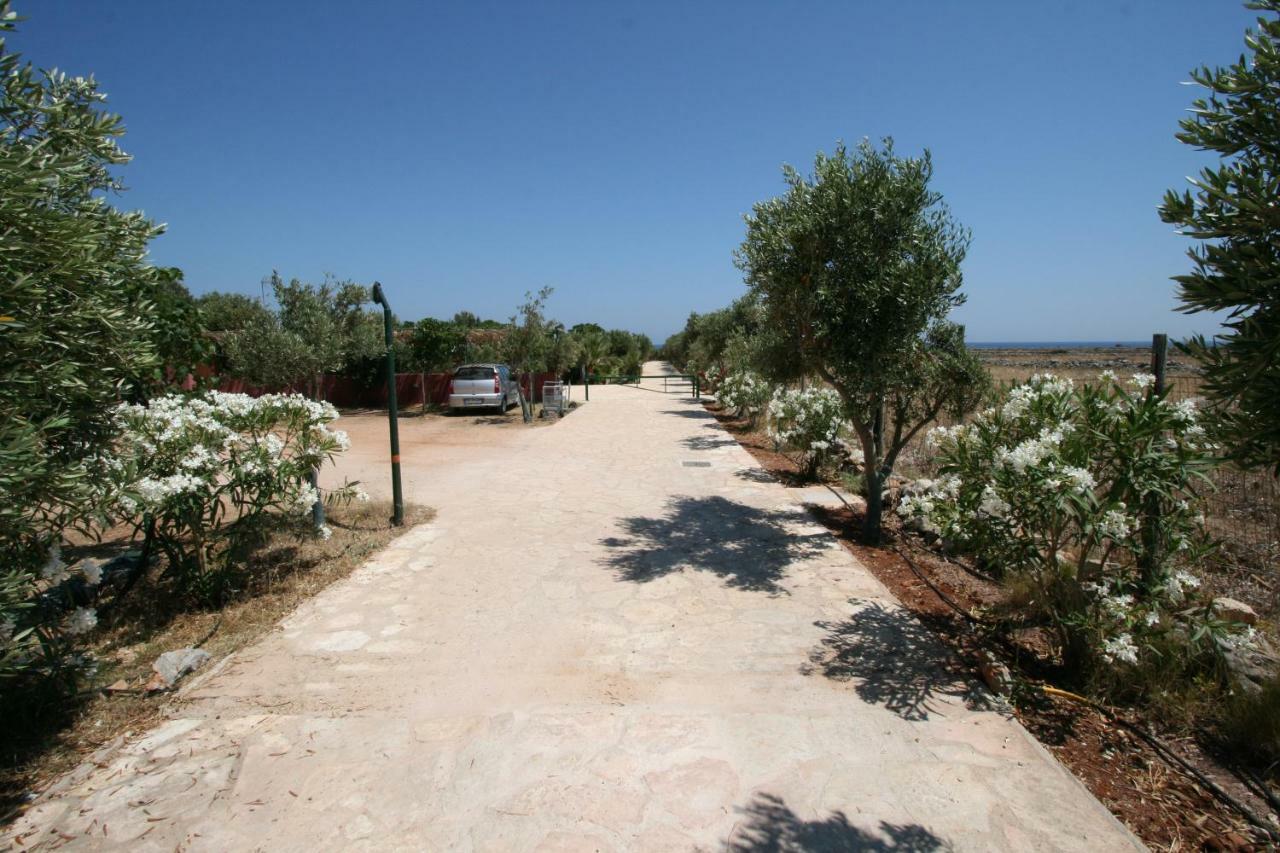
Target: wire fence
1243, 513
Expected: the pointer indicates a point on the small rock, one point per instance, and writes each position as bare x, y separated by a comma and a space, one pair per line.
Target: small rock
170, 667
995, 674
1230, 610
1253, 665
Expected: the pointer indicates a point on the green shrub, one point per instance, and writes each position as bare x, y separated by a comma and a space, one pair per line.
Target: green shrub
809, 421
217, 472
745, 393
1089, 499
78, 332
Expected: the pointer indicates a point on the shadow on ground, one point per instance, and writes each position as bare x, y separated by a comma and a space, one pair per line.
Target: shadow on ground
708, 442
755, 475
768, 826
894, 660
692, 414
750, 548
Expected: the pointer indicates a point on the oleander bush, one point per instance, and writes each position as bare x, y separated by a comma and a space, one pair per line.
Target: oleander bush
745, 393
1088, 501
809, 421
214, 474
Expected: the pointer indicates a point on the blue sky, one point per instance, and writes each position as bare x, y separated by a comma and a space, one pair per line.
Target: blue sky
465, 153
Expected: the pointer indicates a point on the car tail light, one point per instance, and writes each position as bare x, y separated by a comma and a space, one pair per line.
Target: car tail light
497, 388
453, 387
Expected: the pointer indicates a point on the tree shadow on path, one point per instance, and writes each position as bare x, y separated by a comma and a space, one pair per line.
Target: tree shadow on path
769, 826
750, 548
894, 660
692, 414
708, 442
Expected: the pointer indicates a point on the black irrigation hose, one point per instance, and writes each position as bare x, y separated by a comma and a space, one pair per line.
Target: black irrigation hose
1258, 786
946, 599
1169, 756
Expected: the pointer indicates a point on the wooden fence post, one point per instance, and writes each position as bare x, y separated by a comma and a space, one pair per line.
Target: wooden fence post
1159, 355
1151, 510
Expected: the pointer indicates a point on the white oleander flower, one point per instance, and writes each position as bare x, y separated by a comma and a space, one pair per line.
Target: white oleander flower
82, 620
1179, 582
1118, 605
54, 570
1114, 524
1121, 648
1142, 381
1081, 480
992, 504
92, 571
306, 498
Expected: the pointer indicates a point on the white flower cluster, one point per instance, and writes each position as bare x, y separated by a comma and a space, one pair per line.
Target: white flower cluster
925, 500
1186, 411
1120, 648
808, 420
197, 462
82, 621
1022, 397
55, 571
1178, 583
201, 447
945, 436
993, 505
1033, 451
1115, 524
744, 392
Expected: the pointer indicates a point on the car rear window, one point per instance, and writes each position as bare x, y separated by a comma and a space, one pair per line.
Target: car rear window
474, 373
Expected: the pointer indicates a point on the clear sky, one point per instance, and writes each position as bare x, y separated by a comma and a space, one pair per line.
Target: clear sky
464, 153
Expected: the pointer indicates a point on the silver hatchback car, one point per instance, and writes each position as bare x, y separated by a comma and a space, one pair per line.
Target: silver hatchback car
478, 386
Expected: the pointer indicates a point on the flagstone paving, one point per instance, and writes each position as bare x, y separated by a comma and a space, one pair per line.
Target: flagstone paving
595, 646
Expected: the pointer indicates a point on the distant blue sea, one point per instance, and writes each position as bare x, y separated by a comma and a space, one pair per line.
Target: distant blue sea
1056, 344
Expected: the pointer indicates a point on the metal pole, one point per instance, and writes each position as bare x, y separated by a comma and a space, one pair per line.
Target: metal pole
317, 508
393, 411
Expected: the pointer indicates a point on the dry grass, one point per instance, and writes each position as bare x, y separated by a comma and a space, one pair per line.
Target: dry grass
42, 741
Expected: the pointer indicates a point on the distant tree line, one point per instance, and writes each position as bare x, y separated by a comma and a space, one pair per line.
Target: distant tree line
308, 330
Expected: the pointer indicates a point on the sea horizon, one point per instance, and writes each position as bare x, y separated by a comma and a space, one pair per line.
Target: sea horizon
1057, 344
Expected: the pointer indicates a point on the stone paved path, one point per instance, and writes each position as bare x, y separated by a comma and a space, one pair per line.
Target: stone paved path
596, 646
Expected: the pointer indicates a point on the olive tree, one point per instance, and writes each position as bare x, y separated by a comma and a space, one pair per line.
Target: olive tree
315, 329
1236, 268
527, 342
436, 344
78, 309
856, 269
